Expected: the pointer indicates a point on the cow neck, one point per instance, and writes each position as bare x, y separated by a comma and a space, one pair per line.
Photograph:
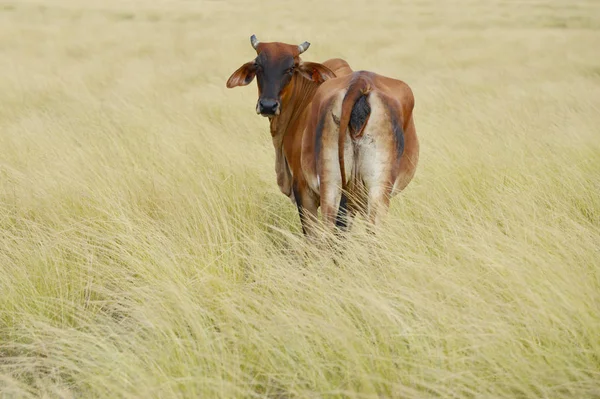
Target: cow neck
303, 91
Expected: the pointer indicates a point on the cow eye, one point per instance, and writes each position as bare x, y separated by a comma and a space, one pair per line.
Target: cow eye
290, 70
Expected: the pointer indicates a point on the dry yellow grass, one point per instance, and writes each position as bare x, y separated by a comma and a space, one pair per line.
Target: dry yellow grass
145, 250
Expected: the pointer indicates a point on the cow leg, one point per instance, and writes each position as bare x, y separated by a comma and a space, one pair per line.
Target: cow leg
378, 156
379, 177
335, 205
331, 199
307, 205
379, 203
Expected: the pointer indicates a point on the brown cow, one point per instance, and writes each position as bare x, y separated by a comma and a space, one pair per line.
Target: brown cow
308, 105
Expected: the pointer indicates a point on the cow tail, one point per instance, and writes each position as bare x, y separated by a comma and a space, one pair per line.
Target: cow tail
355, 114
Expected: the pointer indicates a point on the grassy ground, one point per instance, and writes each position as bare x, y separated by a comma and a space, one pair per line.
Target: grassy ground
145, 249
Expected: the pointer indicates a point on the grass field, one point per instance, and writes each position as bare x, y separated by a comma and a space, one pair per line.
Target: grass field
146, 251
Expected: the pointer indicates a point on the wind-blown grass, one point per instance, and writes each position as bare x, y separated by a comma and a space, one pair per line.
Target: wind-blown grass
145, 250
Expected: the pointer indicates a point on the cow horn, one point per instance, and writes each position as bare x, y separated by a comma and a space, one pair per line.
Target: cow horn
303, 47
254, 41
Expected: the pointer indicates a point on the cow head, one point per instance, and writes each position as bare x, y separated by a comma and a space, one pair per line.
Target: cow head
274, 67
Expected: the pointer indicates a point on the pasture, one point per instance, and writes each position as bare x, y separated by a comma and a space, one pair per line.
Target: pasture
146, 251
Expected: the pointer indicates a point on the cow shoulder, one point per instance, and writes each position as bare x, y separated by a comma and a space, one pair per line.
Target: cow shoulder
339, 66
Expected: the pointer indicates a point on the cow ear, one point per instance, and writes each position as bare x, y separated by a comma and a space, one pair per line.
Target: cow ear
316, 72
242, 76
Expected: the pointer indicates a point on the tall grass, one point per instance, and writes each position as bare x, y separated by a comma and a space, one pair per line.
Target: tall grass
145, 250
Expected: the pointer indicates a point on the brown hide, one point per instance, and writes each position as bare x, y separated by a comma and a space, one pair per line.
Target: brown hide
312, 109
287, 129
394, 100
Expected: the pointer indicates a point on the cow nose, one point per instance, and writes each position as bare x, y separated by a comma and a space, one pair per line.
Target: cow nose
268, 106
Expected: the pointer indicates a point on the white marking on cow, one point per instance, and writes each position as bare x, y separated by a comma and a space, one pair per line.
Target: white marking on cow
374, 156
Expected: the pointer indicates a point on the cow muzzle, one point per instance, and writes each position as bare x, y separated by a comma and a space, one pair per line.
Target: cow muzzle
267, 107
